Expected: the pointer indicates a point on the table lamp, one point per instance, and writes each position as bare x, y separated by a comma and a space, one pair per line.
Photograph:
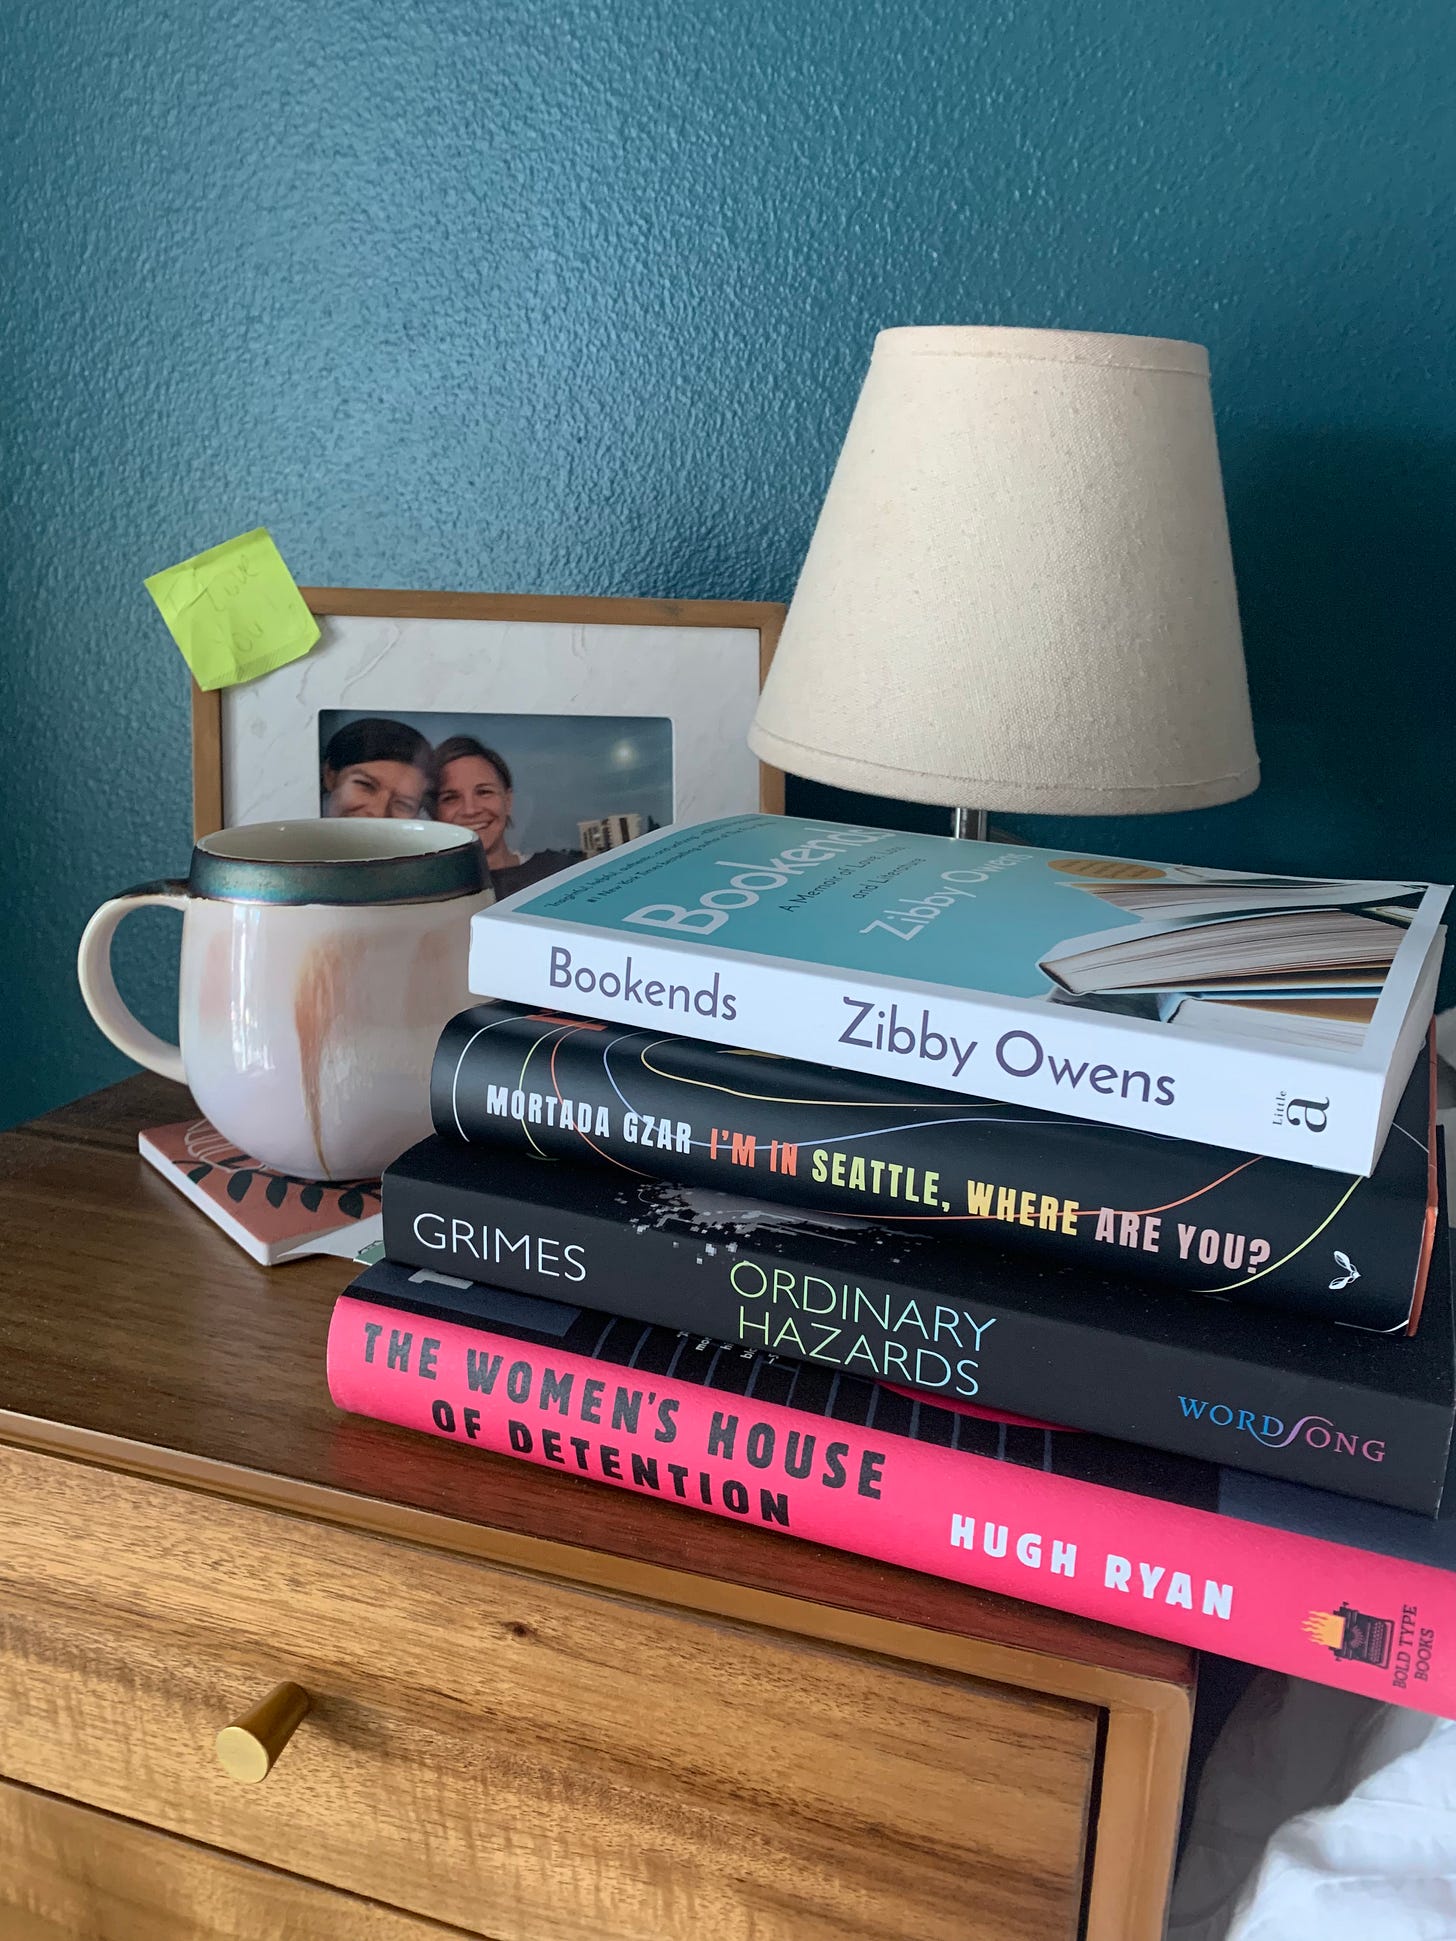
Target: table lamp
1019, 595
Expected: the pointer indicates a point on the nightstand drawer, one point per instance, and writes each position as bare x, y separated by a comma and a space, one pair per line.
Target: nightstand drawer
512, 1755
68, 1873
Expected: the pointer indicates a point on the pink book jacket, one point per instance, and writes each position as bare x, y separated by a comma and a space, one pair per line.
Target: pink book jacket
1293, 1579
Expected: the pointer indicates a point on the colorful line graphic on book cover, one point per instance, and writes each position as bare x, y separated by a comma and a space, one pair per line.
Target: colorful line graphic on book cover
650, 1106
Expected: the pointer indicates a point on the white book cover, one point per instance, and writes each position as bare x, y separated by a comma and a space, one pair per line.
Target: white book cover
997, 970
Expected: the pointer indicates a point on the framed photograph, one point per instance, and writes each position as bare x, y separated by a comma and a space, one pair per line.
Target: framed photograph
553, 727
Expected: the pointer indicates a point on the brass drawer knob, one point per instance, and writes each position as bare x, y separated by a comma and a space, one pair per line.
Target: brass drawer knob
250, 1747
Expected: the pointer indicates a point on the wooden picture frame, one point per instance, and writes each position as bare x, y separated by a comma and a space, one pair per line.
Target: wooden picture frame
215, 799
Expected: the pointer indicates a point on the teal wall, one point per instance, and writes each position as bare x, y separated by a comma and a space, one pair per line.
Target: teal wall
575, 295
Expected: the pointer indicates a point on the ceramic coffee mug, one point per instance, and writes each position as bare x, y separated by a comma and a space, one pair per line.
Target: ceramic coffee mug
320, 961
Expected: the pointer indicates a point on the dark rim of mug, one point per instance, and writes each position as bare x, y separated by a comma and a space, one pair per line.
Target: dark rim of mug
429, 876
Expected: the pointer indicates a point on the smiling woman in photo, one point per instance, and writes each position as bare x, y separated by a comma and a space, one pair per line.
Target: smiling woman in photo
475, 790
376, 767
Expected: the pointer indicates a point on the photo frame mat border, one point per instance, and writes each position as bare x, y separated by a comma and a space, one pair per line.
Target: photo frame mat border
765, 618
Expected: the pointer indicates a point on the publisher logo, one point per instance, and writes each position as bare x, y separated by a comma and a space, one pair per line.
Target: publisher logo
1314, 1431
1304, 1115
1353, 1636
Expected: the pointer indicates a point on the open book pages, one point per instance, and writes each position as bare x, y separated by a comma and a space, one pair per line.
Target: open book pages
1220, 892
1322, 1023
1329, 949
999, 970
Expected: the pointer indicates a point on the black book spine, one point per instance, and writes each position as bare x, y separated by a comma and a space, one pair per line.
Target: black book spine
975, 1171
701, 1362
982, 1328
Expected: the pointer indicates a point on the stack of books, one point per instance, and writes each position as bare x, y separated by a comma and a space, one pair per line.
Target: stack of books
1062, 1225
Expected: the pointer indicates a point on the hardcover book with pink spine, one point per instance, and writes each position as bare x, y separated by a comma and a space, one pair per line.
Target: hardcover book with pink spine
1294, 1579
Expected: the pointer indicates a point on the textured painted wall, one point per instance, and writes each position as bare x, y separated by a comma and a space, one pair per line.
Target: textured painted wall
576, 297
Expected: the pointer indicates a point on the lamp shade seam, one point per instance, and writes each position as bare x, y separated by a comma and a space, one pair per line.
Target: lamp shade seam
975, 785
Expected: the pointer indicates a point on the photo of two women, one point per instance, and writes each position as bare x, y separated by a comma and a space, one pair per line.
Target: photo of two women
540, 791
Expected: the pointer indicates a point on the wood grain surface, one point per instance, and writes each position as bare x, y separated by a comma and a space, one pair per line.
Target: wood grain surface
128, 1315
135, 1337
485, 1748
70, 1874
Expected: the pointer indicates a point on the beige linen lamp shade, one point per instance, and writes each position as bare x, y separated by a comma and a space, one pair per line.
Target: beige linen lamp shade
1019, 594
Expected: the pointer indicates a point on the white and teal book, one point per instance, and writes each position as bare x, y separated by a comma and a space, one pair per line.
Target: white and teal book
1274, 1014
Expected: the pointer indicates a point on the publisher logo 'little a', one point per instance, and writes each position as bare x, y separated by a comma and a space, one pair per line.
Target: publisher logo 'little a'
1314, 1431
1305, 1115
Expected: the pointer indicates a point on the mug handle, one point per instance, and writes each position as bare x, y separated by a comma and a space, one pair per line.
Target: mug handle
98, 986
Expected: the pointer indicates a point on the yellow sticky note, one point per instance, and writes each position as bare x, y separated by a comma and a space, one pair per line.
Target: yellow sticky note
234, 611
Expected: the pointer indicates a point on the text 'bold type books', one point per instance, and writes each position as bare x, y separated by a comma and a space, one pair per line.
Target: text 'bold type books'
1035, 976
1278, 1575
1341, 1408
975, 1171
273, 1216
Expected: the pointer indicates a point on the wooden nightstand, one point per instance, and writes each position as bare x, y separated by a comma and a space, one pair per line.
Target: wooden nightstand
541, 1710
